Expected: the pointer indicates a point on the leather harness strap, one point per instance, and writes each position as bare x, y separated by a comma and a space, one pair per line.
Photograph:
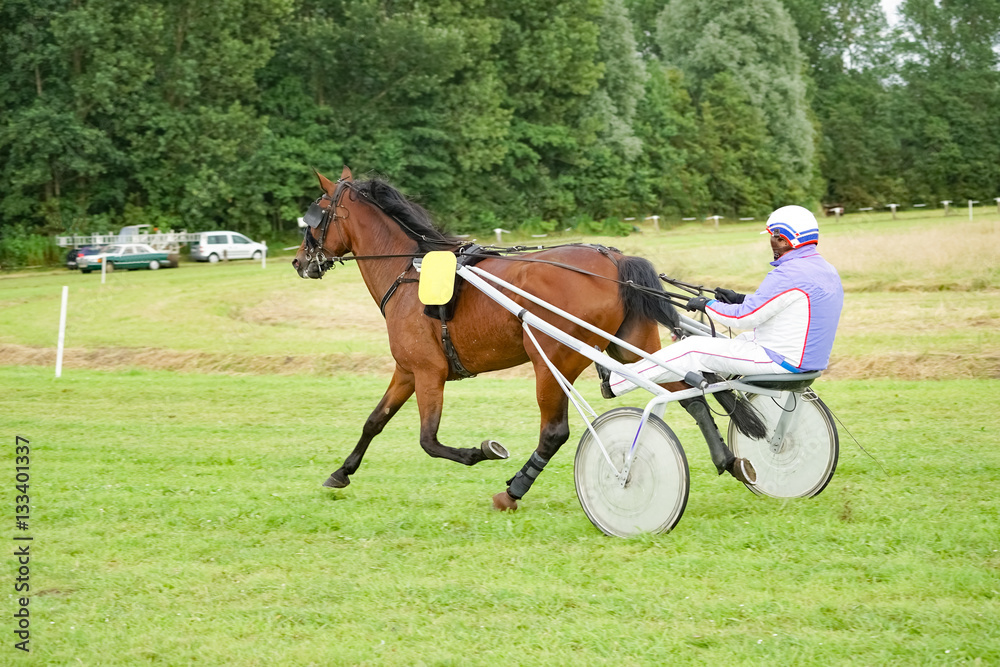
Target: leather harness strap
454, 363
455, 367
392, 290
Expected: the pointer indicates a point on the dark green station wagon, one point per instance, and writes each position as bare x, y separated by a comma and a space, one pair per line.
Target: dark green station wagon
127, 256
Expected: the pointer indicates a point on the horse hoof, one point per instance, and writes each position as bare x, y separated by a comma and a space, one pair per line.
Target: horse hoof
503, 502
493, 450
337, 480
744, 471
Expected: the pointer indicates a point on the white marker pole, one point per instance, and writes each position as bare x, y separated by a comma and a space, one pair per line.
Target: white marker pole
263, 256
62, 331
104, 269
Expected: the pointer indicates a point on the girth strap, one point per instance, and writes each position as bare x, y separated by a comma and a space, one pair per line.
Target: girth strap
454, 363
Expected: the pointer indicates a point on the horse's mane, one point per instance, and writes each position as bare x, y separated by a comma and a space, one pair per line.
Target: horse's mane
412, 218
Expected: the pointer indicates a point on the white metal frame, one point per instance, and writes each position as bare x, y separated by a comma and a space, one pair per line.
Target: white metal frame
482, 281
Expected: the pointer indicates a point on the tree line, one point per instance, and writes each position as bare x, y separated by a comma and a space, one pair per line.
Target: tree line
198, 115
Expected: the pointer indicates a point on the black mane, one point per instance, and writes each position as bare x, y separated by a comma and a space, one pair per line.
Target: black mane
412, 218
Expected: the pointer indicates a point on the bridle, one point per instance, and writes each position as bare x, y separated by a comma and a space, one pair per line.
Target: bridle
317, 217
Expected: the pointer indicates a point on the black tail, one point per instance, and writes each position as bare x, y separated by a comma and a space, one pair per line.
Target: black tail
642, 293
743, 413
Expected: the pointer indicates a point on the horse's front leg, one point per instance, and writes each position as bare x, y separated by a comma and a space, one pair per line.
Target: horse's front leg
430, 400
400, 389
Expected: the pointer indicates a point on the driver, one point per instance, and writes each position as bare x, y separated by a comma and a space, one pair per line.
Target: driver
789, 322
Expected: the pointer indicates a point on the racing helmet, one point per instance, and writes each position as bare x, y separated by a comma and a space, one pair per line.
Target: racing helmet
795, 224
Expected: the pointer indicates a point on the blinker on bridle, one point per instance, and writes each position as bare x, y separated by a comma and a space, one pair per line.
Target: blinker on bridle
316, 217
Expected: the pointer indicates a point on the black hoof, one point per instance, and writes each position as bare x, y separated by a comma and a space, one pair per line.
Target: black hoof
605, 376
493, 450
337, 480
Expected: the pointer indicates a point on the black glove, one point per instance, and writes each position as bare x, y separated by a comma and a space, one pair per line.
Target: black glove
728, 296
698, 303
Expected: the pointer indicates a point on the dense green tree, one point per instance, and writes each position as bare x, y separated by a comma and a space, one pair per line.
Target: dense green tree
199, 115
146, 105
840, 35
405, 89
949, 127
758, 46
644, 14
48, 151
666, 179
846, 44
610, 145
737, 155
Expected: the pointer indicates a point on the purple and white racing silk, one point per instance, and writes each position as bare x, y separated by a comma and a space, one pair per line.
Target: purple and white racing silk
794, 313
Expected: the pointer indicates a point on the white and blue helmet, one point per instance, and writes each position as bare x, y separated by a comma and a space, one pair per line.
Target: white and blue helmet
795, 224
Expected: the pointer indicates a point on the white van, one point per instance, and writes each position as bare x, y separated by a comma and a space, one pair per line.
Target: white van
215, 246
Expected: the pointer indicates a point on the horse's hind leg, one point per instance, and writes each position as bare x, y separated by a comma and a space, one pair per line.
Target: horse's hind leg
554, 432
722, 456
400, 389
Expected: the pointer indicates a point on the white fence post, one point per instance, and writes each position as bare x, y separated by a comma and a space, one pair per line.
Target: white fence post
62, 331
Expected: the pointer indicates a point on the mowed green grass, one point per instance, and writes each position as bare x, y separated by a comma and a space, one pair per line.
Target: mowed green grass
179, 519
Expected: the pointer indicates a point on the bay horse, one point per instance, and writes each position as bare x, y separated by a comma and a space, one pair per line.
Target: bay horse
384, 231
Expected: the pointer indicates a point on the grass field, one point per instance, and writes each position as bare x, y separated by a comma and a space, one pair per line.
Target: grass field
178, 516
179, 519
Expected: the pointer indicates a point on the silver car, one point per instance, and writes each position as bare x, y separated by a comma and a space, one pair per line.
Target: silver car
215, 246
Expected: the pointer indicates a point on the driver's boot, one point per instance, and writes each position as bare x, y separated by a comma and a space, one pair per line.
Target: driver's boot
722, 456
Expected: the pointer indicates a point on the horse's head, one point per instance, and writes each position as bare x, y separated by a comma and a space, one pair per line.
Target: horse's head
325, 240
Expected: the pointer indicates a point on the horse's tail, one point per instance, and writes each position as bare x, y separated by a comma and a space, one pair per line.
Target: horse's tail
643, 296
743, 413
642, 293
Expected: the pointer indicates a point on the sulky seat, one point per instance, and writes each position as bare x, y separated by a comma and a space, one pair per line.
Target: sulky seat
782, 381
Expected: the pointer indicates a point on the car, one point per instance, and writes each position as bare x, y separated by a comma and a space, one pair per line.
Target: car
127, 256
214, 246
73, 256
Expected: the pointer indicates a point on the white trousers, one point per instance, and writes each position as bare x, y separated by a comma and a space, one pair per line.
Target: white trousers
725, 356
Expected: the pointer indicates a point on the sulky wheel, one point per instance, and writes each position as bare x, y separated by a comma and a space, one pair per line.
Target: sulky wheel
799, 456
656, 493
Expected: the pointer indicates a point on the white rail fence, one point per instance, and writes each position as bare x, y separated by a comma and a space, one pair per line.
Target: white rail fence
158, 240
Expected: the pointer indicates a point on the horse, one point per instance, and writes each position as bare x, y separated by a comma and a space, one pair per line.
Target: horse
384, 231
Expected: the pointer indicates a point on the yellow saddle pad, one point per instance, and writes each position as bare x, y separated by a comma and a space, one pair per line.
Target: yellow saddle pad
437, 278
